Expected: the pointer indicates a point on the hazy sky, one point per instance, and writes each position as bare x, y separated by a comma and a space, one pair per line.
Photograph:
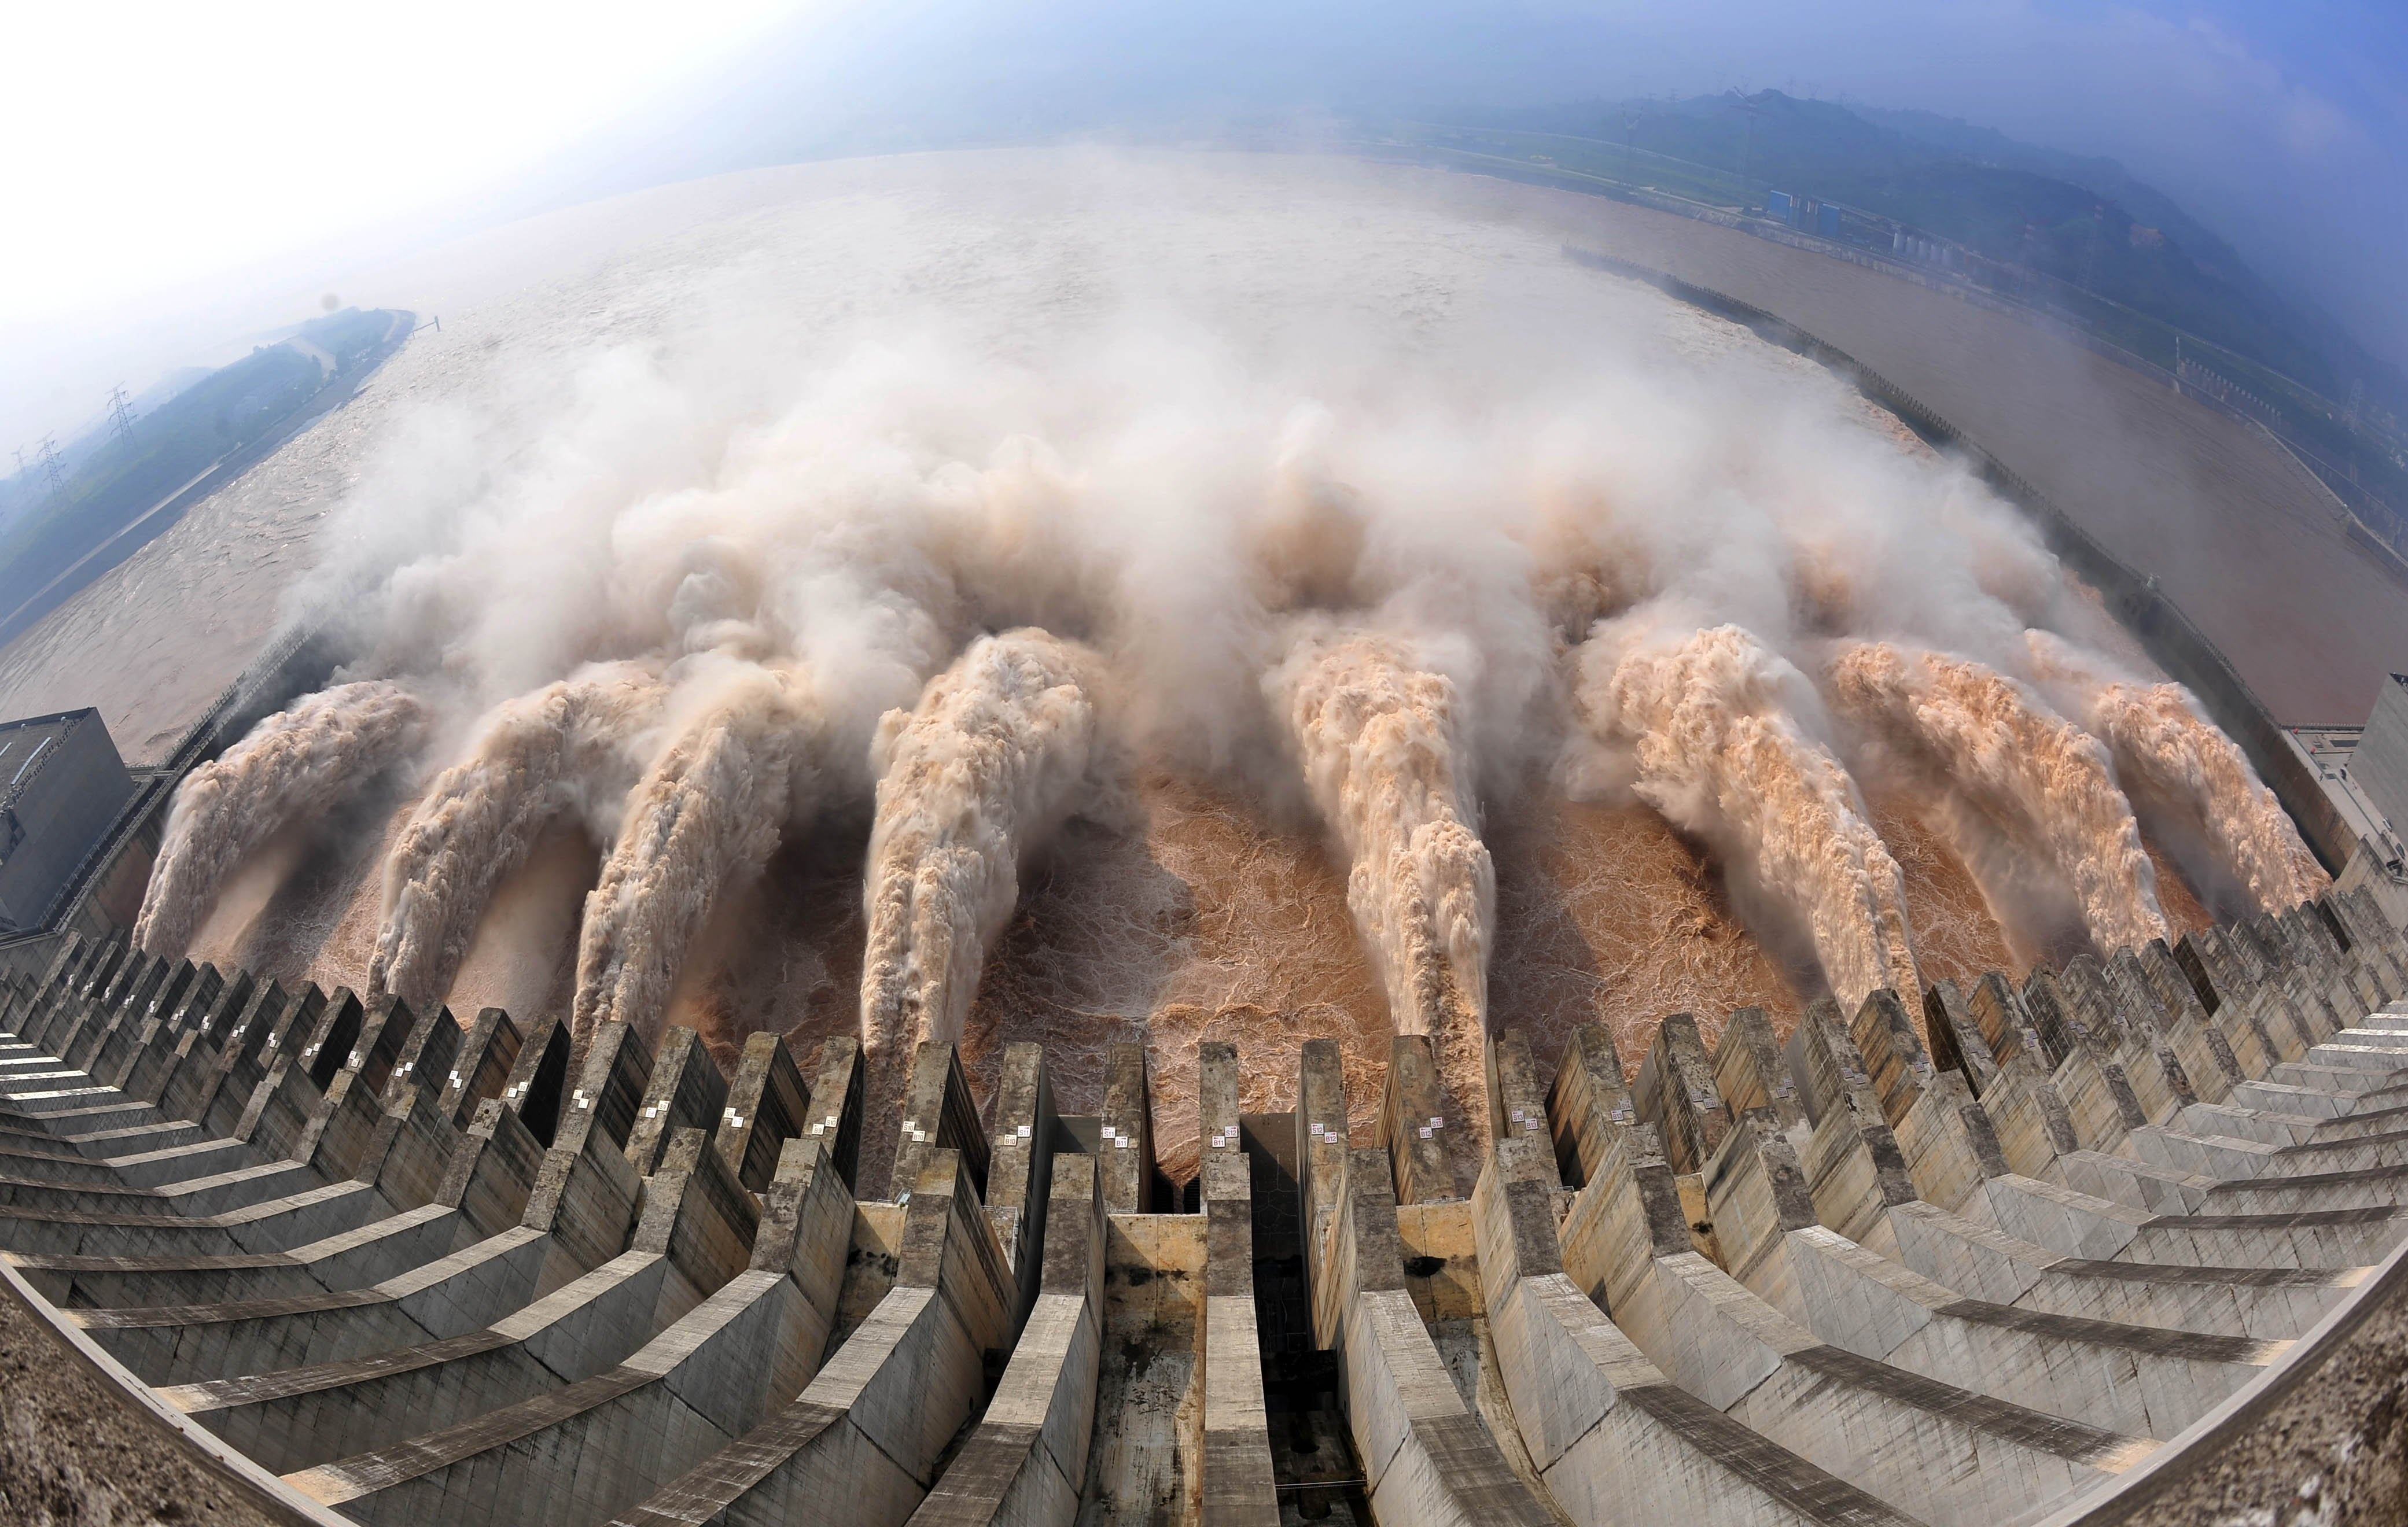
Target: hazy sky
2280, 123
153, 144
161, 159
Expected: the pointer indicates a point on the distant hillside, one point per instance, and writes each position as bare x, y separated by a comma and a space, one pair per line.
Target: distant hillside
160, 391
2102, 176
54, 541
2084, 222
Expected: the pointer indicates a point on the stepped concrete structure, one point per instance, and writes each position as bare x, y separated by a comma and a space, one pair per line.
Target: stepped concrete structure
2024, 1254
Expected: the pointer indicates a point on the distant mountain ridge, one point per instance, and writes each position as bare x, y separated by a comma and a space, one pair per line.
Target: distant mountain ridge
2084, 219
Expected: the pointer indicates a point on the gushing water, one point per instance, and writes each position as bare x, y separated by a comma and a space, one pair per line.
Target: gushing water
1383, 750
2163, 744
932, 417
533, 758
297, 763
1712, 725
979, 773
2045, 785
706, 812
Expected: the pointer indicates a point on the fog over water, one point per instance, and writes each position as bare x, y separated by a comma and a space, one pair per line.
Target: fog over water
1075, 596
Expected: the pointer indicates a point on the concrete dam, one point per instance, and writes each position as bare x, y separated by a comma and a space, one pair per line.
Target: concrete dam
381, 1267
1079, 877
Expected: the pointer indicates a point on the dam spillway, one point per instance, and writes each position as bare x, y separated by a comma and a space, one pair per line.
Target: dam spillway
404, 1269
1330, 911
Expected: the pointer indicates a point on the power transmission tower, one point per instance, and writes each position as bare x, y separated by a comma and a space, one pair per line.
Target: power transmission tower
1751, 109
121, 416
52, 471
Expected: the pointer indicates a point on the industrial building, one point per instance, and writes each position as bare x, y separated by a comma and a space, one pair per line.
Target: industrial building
2363, 773
61, 787
2379, 766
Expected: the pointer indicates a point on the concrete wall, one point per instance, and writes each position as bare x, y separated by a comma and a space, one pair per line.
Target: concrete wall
440, 1293
2379, 766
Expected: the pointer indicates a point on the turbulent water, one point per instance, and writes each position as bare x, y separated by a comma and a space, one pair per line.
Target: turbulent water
293, 766
1108, 602
2163, 744
1383, 750
1607, 915
707, 811
1957, 936
977, 776
1715, 727
532, 759
2046, 785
